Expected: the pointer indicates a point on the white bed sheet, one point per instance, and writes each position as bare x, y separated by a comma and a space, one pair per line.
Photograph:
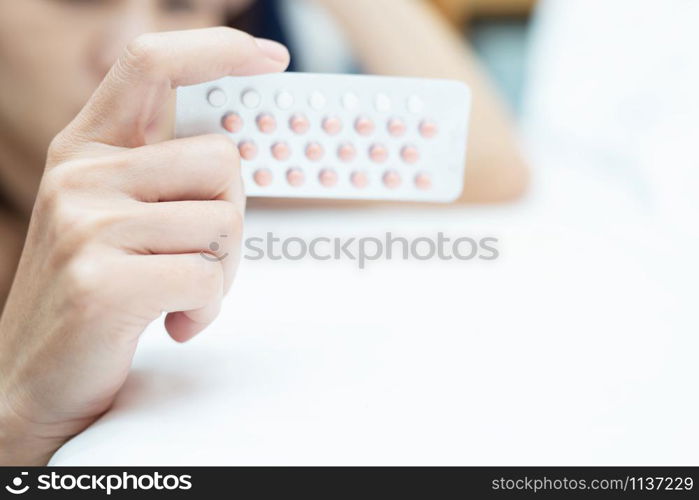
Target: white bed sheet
578, 346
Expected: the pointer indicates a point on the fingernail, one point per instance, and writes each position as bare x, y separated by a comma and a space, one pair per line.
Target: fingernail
274, 50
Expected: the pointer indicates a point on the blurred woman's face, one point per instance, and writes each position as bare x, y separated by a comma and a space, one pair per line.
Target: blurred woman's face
53, 54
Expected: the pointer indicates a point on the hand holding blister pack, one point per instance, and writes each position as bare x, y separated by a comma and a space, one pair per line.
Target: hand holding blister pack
305, 135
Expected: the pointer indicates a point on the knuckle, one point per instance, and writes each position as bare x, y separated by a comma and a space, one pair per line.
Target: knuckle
51, 191
235, 36
232, 219
244, 43
209, 280
223, 148
248, 42
225, 159
141, 52
237, 221
69, 176
249, 48
69, 223
58, 148
83, 281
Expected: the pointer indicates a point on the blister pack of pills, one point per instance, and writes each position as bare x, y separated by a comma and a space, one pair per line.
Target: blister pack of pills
305, 135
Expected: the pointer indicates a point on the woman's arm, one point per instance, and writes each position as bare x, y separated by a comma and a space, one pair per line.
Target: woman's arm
410, 38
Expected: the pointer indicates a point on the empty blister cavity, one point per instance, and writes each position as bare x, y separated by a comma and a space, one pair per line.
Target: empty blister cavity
284, 100
251, 98
217, 97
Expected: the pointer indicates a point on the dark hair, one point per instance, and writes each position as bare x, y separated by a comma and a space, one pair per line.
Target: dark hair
262, 19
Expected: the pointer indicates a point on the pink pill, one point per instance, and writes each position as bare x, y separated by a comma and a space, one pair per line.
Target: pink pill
232, 122
391, 179
281, 151
299, 124
423, 181
332, 125
359, 180
428, 129
396, 127
266, 123
346, 152
295, 177
364, 126
327, 177
314, 151
262, 177
410, 154
248, 150
378, 153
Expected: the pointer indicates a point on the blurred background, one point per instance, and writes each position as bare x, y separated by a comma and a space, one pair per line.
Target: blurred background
497, 29
602, 89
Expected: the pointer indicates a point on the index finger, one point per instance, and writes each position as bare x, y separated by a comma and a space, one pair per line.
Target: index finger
139, 83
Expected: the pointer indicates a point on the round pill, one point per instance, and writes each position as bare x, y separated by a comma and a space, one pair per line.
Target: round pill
332, 125
364, 126
423, 181
314, 151
415, 104
232, 122
266, 123
263, 177
284, 100
251, 98
281, 151
299, 124
378, 153
428, 129
391, 179
410, 154
295, 177
350, 101
346, 152
359, 180
396, 127
217, 97
382, 103
327, 177
248, 150
317, 101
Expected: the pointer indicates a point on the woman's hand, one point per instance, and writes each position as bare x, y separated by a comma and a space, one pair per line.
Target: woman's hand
115, 240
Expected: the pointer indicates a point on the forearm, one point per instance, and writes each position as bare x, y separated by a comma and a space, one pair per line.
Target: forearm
409, 38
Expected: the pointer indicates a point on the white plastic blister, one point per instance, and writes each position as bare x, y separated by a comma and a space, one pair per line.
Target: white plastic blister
337, 136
